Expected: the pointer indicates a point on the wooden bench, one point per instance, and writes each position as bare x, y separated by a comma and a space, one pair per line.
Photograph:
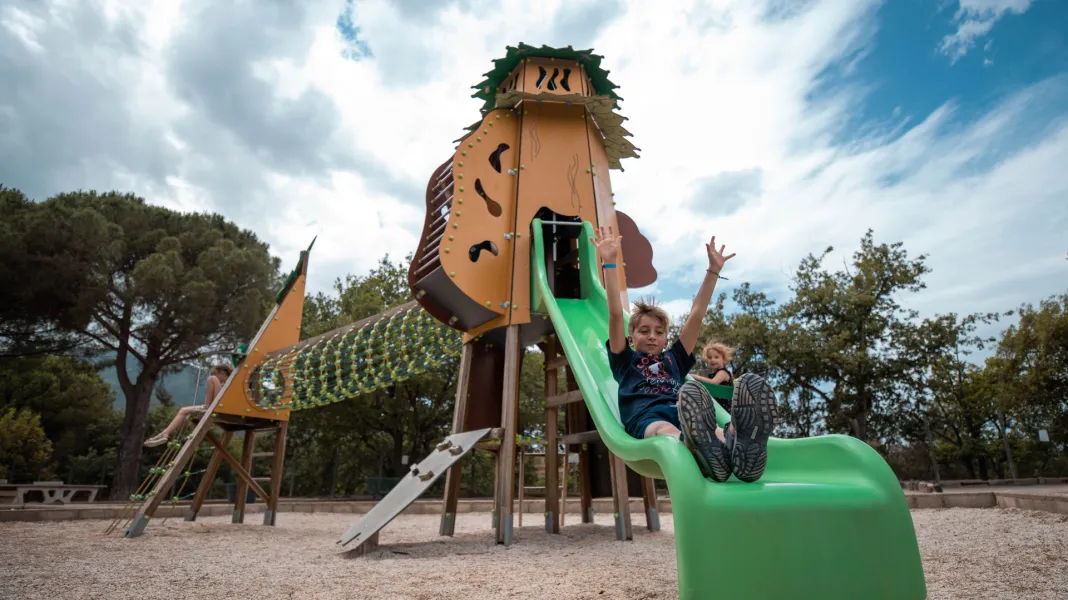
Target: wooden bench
51, 492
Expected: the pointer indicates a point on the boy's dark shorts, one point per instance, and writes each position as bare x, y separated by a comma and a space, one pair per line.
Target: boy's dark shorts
657, 412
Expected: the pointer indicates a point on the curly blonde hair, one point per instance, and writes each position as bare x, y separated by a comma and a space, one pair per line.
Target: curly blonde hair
648, 308
727, 352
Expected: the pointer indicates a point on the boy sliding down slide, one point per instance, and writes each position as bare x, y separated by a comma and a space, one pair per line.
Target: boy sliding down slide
656, 399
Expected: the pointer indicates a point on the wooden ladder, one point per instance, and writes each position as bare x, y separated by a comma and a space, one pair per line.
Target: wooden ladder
576, 415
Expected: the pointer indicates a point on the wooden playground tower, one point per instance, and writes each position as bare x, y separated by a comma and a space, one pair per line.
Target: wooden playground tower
544, 146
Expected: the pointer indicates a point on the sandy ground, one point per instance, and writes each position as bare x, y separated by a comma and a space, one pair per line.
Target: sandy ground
967, 553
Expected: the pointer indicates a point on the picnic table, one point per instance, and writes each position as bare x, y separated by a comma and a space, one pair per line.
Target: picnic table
49, 492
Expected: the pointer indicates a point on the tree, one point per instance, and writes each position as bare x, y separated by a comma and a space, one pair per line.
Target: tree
48, 271
74, 403
164, 288
1030, 374
955, 404
845, 319
24, 447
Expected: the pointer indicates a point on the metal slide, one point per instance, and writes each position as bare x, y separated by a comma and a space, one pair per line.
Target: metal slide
827, 520
420, 477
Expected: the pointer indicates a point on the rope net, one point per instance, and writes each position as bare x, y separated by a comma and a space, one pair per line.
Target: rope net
146, 489
354, 361
340, 365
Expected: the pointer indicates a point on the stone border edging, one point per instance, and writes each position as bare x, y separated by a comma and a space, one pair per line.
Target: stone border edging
1051, 503
1023, 500
533, 509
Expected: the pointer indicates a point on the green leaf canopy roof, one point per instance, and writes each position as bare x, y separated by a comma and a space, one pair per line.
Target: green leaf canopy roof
486, 90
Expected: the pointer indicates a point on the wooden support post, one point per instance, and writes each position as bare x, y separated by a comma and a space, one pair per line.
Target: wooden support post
586, 490
509, 420
271, 514
652, 505
205, 483
553, 512
247, 448
495, 515
522, 479
236, 466
563, 488
459, 417
620, 497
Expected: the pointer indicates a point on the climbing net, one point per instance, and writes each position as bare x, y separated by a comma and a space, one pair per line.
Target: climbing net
354, 361
146, 490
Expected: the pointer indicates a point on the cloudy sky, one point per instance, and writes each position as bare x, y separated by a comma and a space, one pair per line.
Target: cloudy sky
781, 127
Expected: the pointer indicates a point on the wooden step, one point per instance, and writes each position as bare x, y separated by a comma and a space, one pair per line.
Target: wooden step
556, 362
562, 399
584, 437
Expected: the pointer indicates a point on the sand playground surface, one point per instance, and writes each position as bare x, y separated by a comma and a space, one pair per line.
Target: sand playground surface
967, 553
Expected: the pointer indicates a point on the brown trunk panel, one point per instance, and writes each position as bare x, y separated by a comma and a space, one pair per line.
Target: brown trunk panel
553, 175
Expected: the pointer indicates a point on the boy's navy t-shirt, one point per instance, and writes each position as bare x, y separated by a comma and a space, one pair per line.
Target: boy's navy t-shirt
646, 380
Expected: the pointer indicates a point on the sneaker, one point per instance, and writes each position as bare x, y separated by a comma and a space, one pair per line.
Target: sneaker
698, 419
156, 441
753, 415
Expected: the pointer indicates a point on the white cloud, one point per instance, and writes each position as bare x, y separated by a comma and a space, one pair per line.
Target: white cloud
974, 19
677, 308
22, 25
983, 196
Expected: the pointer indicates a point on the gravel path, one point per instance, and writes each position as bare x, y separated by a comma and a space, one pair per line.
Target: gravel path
967, 553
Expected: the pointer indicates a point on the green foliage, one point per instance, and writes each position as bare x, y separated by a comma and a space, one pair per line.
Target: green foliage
486, 90
24, 447
845, 357
953, 400
49, 272
830, 349
1030, 382
73, 401
532, 395
850, 314
129, 278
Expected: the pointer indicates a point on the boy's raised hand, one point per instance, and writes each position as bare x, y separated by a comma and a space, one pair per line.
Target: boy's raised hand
607, 245
716, 260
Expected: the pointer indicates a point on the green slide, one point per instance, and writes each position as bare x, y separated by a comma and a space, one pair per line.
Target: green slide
827, 520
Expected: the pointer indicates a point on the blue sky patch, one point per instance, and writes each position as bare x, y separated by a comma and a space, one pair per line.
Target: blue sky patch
356, 48
908, 75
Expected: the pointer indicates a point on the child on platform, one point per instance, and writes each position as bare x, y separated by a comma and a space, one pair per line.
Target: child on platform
219, 374
656, 399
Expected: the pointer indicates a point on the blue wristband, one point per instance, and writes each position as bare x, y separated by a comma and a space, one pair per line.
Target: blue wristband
608, 266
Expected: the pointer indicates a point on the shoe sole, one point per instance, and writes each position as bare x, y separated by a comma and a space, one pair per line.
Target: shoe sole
695, 416
754, 413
